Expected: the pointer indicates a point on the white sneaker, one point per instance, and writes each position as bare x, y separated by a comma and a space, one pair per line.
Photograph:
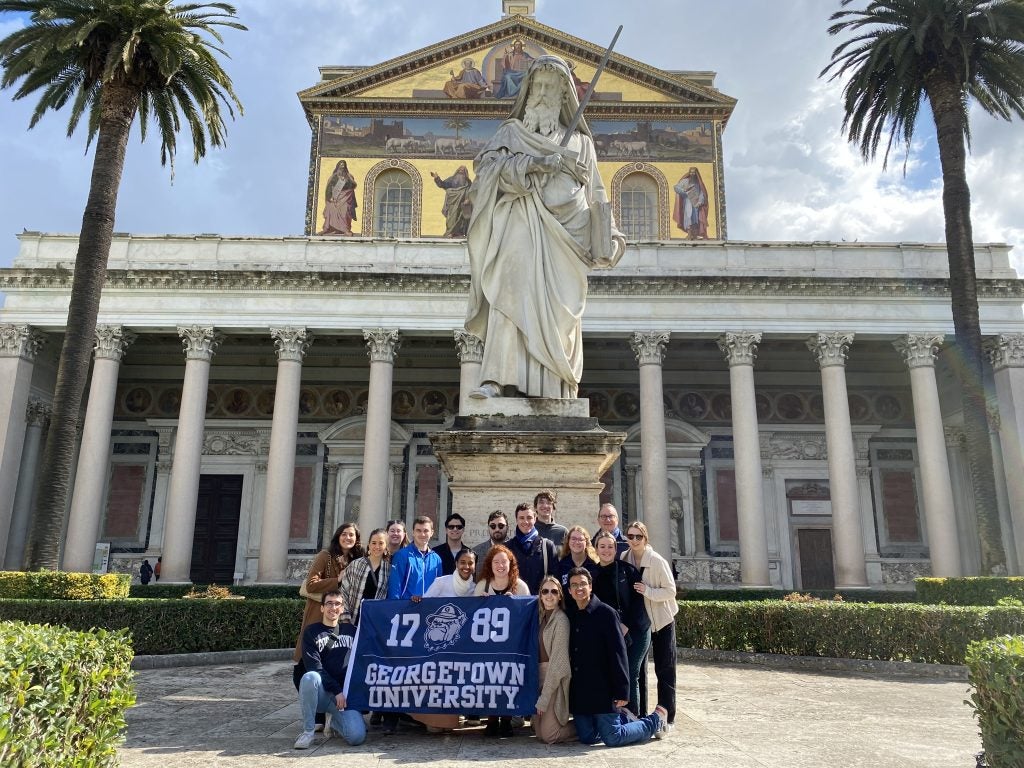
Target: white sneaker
305, 740
662, 714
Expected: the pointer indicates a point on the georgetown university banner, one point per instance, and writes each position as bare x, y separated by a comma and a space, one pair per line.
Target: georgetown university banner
446, 655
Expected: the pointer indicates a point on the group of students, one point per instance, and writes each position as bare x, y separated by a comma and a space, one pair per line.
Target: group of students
605, 603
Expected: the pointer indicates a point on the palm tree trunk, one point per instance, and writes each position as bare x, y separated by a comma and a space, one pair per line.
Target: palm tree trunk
946, 101
118, 105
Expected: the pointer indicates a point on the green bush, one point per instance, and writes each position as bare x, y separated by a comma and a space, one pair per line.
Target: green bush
63, 585
174, 626
63, 696
248, 591
906, 632
996, 669
969, 590
848, 595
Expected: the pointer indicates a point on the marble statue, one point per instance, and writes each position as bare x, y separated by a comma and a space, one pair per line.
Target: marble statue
541, 221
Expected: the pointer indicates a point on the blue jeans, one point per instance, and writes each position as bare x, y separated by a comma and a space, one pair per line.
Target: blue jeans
313, 698
613, 729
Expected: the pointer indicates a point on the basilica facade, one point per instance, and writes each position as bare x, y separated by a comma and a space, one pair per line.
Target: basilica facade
804, 395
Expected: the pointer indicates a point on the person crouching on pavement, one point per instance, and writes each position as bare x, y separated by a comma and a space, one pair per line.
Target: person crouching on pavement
325, 652
599, 687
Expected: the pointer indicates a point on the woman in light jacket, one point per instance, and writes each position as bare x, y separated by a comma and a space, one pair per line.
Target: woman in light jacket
658, 587
551, 723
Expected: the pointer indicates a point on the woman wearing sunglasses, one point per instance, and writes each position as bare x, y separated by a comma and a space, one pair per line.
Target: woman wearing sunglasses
614, 585
658, 587
551, 723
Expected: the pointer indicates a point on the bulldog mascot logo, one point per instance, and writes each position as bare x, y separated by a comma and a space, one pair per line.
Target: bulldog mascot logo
443, 627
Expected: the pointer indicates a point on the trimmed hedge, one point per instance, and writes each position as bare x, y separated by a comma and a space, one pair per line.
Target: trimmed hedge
249, 591
749, 595
907, 632
63, 696
63, 585
996, 669
969, 590
174, 626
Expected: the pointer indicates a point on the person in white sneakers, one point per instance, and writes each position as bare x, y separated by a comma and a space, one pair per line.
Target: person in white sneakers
325, 652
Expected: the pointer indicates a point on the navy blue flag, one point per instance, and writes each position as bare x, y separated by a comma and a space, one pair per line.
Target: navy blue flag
446, 655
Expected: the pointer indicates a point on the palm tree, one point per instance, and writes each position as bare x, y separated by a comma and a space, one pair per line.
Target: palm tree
948, 52
111, 60
457, 124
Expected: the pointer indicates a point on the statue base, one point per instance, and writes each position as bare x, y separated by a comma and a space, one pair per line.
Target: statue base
502, 451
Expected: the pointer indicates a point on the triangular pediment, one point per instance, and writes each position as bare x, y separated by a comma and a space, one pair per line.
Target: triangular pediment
423, 74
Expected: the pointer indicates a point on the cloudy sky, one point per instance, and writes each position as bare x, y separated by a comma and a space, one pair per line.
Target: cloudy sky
789, 173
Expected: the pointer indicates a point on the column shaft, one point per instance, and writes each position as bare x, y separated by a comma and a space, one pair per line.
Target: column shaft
1006, 353
277, 507
740, 349
847, 541
87, 500
649, 349
373, 508
24, 496
183, 487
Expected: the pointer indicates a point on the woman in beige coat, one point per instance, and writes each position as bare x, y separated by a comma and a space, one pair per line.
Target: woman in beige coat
551, 723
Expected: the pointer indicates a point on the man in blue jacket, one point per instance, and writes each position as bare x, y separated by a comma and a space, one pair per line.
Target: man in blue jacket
325, 652
600, 680
414, 567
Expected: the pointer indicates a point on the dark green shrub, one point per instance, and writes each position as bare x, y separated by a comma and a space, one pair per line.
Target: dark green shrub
63, 696
905, 632
248, 591
174, 626
996, 669
848, 595
969, 590
63, 585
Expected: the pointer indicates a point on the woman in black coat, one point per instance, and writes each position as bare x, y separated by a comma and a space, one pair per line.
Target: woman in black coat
614, 585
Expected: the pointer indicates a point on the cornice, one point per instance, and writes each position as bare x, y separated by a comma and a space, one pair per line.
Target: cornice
256, 281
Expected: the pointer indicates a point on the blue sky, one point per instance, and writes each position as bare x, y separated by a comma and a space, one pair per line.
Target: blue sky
789, 174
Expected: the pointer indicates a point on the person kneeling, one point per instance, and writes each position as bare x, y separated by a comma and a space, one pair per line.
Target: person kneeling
325, 651
599, 687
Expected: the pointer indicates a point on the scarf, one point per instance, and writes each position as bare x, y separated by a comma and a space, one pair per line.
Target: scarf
462, 587
526, 540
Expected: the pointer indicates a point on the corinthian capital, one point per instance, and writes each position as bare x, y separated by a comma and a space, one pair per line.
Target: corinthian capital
20, 341
1006, 351
469, 346
739, 348
382, 344
649, 348
830, 348
200, 343
112, 341
918, 350
37, 412
291, 343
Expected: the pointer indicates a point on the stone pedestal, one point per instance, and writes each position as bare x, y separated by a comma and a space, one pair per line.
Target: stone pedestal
505, 450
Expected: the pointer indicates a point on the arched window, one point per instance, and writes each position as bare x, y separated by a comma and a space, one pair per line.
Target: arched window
639, 206
393, 204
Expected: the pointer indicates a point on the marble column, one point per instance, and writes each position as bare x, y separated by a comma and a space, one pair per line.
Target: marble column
19, 345
649, 349
847, 539
1006, 353
471, 354
37, 415
87, 501
291, 345
740, 349
1002, 499
382, 344
183, 488
918, 352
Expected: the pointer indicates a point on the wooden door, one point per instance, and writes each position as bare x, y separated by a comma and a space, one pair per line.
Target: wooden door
216, 535
815, 552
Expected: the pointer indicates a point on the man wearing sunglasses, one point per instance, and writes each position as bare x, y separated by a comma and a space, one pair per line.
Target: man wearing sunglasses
448, 550
497, 525
325, 652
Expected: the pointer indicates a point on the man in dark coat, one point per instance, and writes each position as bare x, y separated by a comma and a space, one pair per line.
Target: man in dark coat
535, 554
600, 680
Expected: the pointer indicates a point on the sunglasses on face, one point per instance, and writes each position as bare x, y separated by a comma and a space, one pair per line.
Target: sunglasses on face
635, 536
455, 527
497, 526
549, 591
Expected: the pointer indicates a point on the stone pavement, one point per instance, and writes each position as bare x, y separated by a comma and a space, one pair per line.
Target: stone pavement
729, 715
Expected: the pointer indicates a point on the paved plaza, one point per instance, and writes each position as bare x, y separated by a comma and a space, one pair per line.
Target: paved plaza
729, 716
